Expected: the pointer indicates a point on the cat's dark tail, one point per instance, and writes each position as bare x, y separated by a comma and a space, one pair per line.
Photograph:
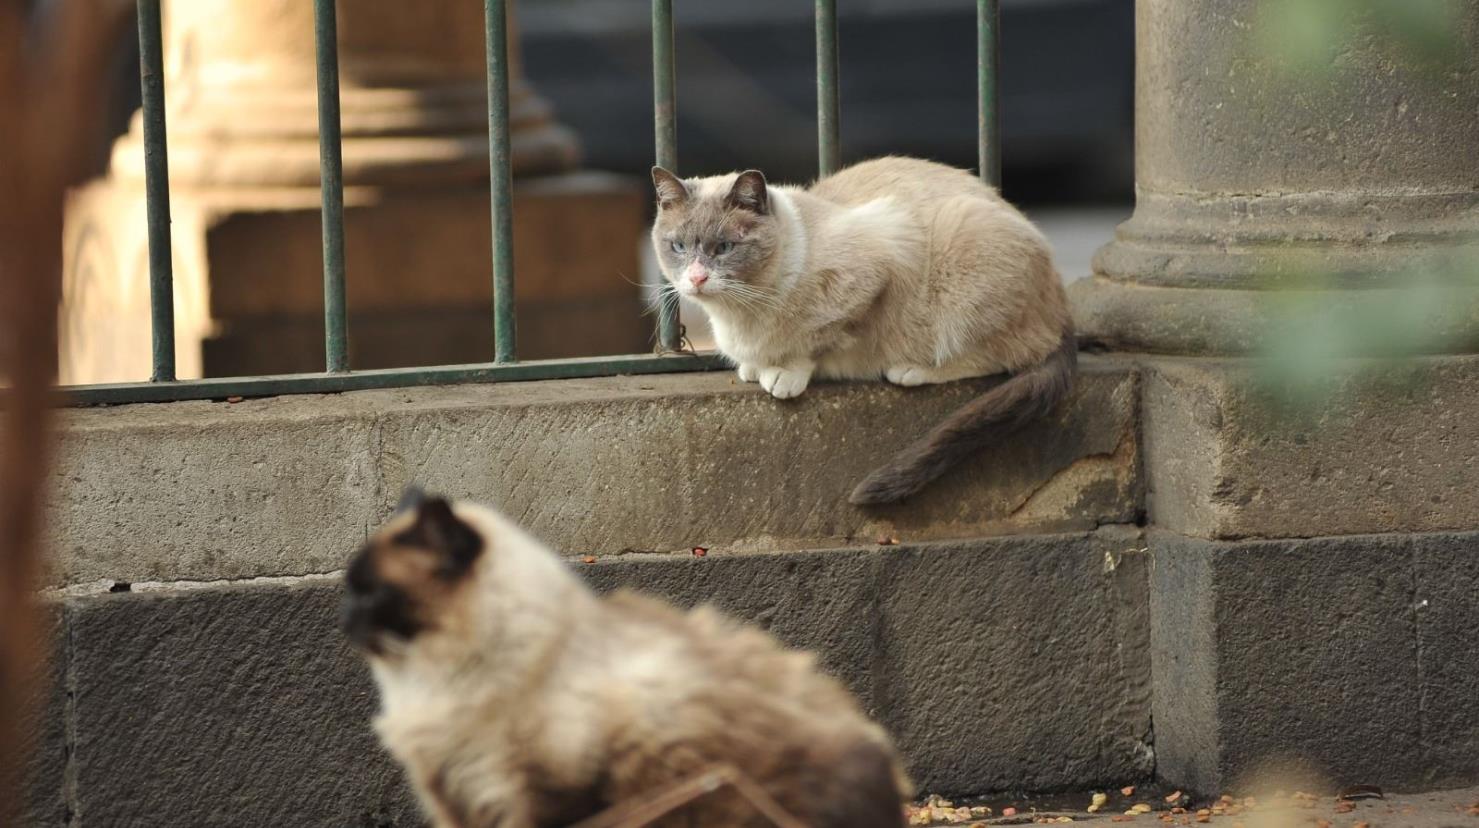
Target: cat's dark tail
1019, 400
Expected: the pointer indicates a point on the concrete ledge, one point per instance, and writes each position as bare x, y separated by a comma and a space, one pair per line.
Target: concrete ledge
997, 663
1316, 664
287, 486
226, 706
45, 800
1393, 449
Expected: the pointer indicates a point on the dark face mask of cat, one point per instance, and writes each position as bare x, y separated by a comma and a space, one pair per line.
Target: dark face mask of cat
398, 584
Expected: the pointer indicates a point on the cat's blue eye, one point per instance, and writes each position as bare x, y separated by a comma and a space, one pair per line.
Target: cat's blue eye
677, 246
723, 247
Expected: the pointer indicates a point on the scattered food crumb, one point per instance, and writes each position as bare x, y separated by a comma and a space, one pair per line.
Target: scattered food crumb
1097, 801
1006, 812
590, 559
1128, 790
1174, 796
233, 399
888, 541
699, 551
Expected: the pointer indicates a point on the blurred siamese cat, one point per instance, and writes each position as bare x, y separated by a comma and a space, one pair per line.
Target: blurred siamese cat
515, 697
897, 268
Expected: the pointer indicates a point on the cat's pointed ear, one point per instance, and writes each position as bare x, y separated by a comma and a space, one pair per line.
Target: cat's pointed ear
670, 188
439, 529
750, 193
411, 498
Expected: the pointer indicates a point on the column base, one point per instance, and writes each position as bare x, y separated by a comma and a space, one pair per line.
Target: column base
249, 284
1315, 577
1199, 321
1315, 665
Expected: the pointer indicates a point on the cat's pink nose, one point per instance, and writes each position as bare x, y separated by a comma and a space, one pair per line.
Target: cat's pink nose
697, 275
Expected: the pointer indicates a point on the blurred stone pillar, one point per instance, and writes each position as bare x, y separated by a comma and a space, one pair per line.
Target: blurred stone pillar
243, 152
1251, 176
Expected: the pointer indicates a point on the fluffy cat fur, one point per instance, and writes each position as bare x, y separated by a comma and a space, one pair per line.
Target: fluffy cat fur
515, 696
896, 268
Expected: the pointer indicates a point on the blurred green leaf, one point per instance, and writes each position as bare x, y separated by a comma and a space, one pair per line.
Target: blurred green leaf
1305, 36
1320, 334
1424, 27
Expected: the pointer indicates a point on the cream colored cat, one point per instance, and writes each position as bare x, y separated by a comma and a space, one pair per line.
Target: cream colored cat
516, 697
896, 268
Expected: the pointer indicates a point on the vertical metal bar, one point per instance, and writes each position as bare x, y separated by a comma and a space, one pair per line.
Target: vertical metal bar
988, 74
665, 126
156, 191
331, 176
827, 102
500, 176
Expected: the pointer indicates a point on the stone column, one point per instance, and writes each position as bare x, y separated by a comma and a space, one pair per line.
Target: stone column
243, 152
1251, 176
1314, 584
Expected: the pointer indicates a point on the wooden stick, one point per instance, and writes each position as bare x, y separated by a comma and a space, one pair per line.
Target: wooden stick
635, 813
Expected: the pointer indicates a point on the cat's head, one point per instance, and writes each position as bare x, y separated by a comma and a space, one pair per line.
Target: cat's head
715, 237
408, 581
444, 585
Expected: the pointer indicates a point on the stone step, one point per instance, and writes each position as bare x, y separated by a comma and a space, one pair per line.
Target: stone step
1039, 662
288, 486
1020, 635
996, 663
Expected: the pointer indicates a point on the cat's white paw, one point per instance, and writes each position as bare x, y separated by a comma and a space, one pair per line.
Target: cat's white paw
747, 373
909, 375
784, 383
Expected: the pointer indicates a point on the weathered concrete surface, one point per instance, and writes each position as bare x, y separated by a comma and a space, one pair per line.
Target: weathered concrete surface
1025, 669
1183, 640
1013, 661
1258, 167
224, 706
1315, 664
287, 486
44, 787
1394, 448
1213, 113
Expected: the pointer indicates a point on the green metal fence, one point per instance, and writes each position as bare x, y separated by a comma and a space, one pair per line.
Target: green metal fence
505, 367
